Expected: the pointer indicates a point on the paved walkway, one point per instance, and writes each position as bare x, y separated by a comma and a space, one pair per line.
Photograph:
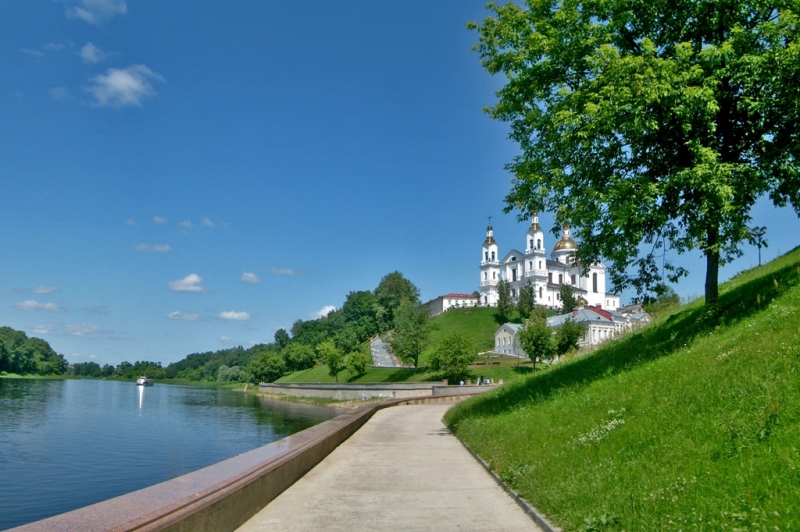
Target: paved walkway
403, 470
380, 353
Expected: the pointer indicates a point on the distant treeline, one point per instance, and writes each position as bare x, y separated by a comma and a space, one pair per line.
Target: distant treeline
28, 356
363, 315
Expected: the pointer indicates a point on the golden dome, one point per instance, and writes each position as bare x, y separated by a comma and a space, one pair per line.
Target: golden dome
565, 244
535, 228
489, 237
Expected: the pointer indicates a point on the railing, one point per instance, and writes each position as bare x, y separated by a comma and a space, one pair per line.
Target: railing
490, 282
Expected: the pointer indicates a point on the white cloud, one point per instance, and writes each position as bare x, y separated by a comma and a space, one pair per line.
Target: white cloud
190, 283
248, 277
122, 87
42, 289
321, 313
181, 316
31, 51
130, 222
92, 356
158, 248
92, 54
31, 305
233, 315
285, 271
59, 93
158, 220
97, 11
186, 223
208, 223
81, 329
43, 329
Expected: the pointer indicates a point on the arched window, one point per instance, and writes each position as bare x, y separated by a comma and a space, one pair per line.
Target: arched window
492, 255
538, 243
540, 292
540, 265
485, 275
485, 255
594, 282
531, 246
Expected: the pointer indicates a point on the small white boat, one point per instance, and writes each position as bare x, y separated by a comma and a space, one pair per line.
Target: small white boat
143, 381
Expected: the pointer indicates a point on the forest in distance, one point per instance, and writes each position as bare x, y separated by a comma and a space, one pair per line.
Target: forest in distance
347, 329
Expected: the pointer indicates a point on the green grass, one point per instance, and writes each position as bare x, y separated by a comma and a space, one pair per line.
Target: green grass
320, 374
479, 324
692, 423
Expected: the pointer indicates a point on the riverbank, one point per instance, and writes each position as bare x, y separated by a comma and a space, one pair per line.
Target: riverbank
690, 423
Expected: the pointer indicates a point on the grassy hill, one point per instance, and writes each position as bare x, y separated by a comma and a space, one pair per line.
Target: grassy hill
692, 423
477, 323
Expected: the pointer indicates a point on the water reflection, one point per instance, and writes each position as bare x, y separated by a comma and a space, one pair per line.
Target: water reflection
68, 443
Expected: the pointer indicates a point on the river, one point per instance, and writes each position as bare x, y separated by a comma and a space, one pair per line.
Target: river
65, 444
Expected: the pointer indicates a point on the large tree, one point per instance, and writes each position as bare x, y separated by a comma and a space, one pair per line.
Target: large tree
453, 356
505, 304
526, 300
537, 340
393, 291
649, 124
410, 335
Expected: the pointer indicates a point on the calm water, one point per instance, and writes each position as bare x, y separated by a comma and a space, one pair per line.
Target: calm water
66, 444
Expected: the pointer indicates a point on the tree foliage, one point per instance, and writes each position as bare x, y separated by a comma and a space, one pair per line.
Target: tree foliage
23, 355
526, 300
537, 340
568, 335
453, 356
267, 366
505, 305
410, 335
568, 300
649, 124
332, 357
357, 363
392, 291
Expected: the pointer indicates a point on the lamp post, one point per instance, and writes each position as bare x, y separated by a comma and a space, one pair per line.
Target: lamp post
756, 237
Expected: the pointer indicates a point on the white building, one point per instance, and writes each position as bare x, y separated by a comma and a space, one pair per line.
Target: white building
546, 275
506, 340
448, 301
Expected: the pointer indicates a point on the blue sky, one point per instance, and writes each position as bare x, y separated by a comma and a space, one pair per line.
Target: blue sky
181, 177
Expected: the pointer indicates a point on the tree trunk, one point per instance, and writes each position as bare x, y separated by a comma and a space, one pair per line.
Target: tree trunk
712, 269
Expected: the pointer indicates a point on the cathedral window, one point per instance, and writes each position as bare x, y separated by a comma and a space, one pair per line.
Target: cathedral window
485, 275
550, 277
485, 255
540, 265
540, 293
530, 264
560, 279
513, 275
573, 279
594, 282
494, 275
538, 243
531, 244
492, 255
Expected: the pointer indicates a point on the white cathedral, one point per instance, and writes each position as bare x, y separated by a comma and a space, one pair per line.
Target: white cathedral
545, 275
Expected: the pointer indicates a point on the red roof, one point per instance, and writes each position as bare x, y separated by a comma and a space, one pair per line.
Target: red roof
460, 296
600, 311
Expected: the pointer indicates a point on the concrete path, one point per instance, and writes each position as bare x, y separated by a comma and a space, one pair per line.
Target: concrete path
403, 470
380, 353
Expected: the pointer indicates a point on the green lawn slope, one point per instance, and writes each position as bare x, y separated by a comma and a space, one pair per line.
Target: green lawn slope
692, 423
478, 324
